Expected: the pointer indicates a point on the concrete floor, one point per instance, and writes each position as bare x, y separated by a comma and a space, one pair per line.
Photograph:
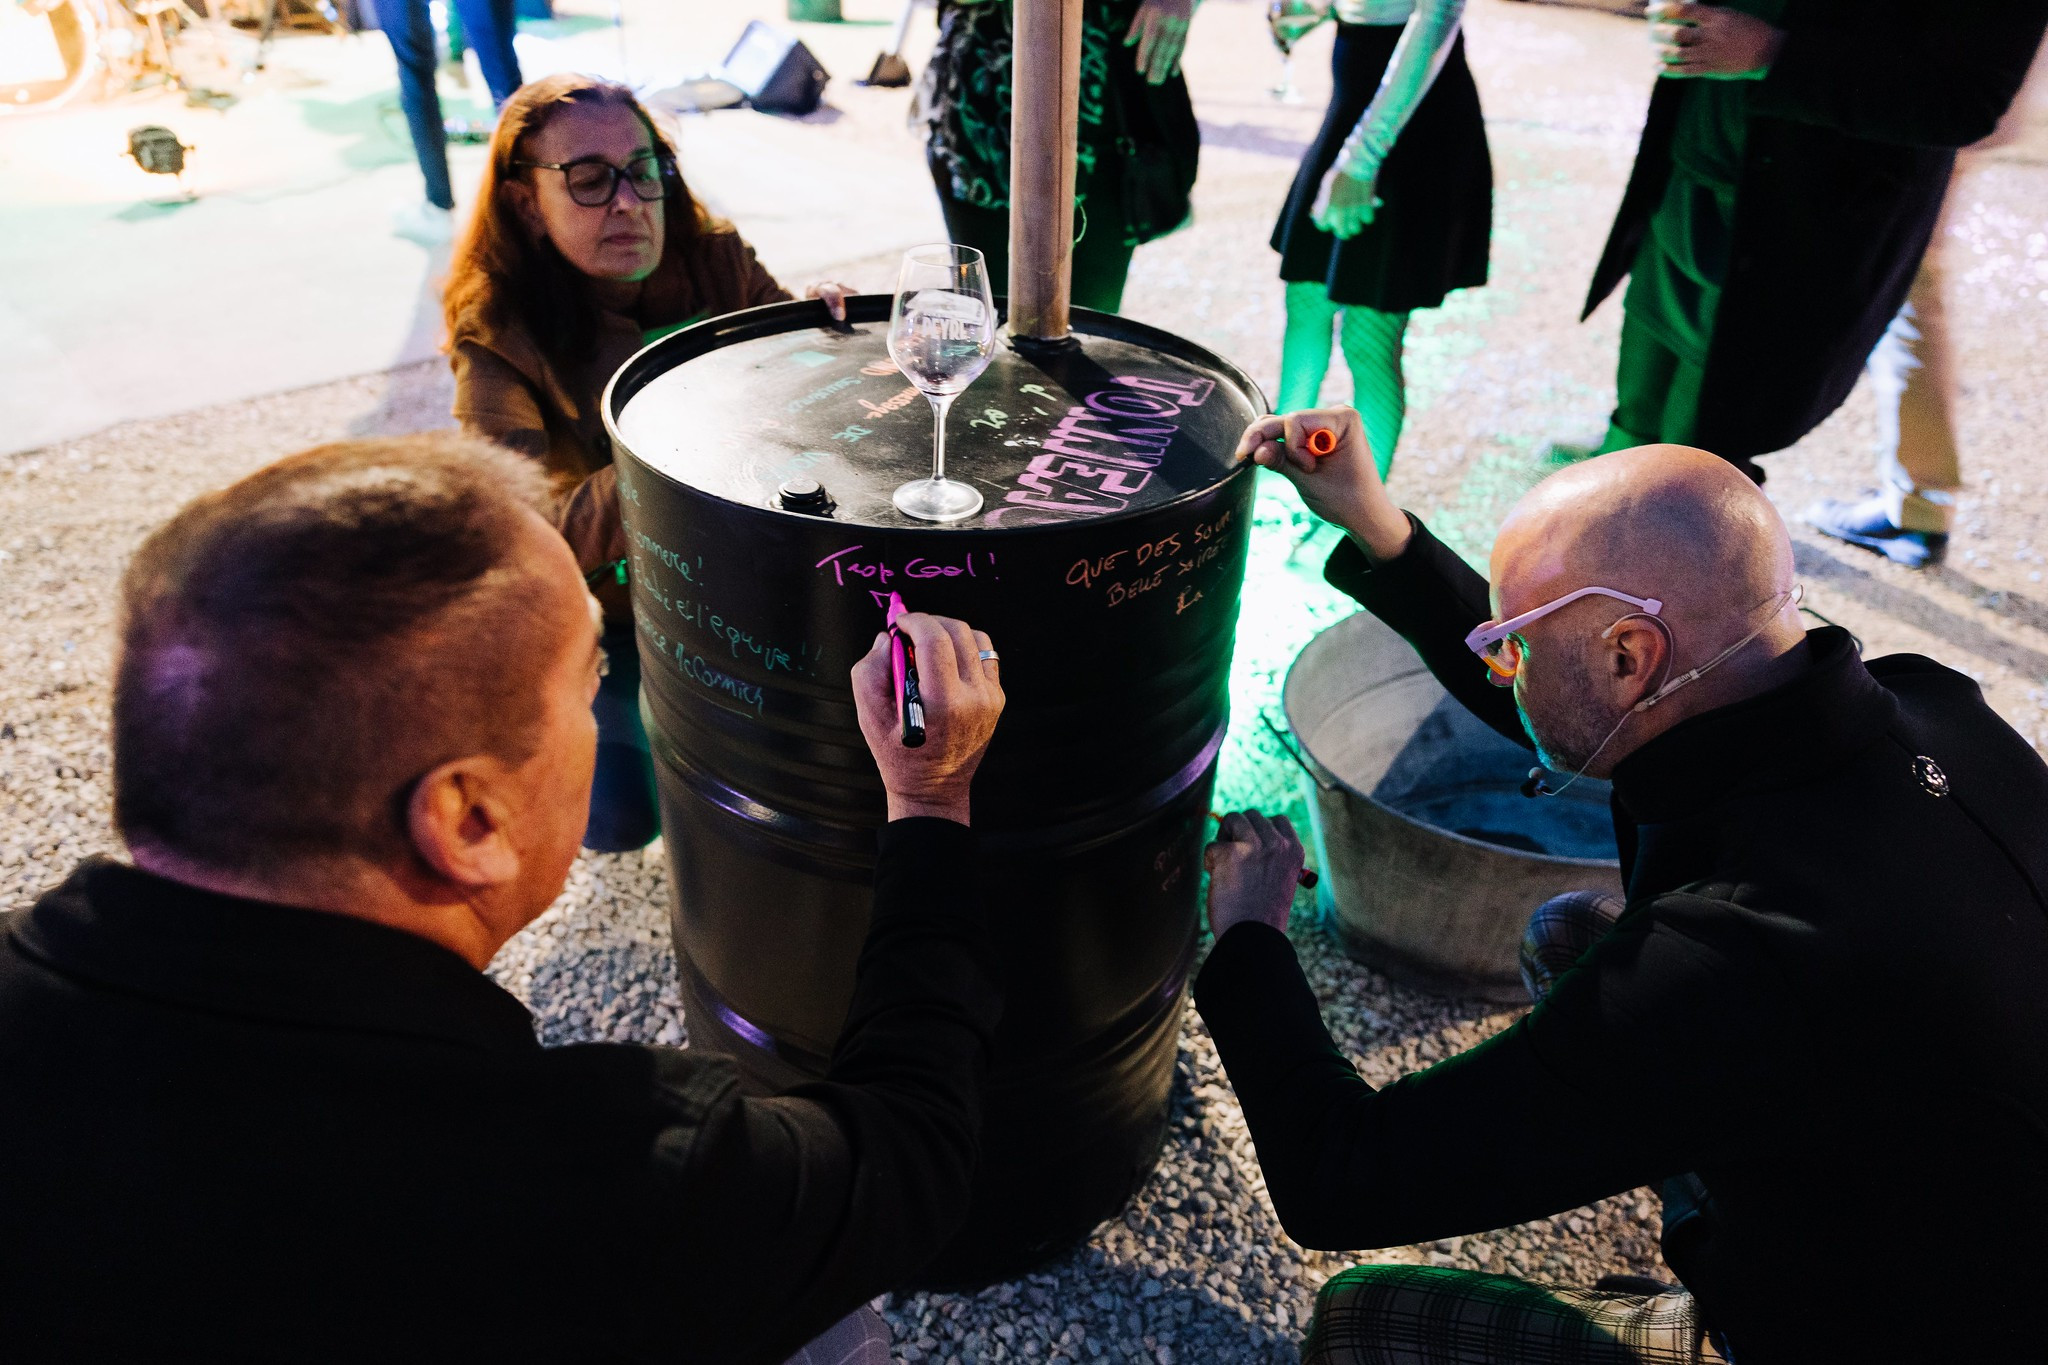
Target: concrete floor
119, 300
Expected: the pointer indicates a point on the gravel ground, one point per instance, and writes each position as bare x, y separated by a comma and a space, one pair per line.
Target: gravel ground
1197, 1269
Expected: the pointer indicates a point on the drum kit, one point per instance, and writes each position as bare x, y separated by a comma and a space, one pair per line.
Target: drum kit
52, 51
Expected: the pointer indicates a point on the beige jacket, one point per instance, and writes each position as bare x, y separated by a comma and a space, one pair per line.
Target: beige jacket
508, 391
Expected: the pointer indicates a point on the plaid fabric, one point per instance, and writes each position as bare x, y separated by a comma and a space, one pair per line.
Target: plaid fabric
1560, 932
859, 1338
1426, 1315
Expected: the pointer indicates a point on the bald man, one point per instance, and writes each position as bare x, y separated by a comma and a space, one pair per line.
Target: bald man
1820, 1024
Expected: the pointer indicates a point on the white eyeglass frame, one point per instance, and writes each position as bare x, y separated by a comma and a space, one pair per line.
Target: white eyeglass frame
1487, 634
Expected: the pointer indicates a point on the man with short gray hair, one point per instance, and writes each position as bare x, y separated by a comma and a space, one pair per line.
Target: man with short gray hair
262, 1102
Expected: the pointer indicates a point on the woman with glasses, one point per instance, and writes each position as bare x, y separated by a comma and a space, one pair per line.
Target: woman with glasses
585, 245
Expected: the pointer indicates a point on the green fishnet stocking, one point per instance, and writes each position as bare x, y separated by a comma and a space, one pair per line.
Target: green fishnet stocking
1305, 347
1372, 349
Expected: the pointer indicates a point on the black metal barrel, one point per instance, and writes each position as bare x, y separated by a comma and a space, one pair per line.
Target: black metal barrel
757, 454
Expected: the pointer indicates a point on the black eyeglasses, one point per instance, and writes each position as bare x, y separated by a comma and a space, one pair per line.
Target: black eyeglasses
594, 182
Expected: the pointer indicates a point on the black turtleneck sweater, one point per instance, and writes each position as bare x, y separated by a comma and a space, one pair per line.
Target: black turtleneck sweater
1828, 998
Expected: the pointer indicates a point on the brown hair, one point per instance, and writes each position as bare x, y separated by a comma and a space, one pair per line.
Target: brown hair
499, 273
296, 650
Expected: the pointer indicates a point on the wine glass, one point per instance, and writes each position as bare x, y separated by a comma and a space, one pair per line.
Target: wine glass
1289, 21
942, 330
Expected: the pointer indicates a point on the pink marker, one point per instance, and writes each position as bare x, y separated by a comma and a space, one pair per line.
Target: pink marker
903, 668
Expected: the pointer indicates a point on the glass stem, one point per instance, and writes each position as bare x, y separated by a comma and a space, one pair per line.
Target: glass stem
940, 402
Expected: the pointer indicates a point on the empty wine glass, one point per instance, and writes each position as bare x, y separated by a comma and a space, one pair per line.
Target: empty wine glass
942, 330
1289, 21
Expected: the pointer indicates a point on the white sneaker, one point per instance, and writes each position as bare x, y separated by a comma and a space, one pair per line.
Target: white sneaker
425, 223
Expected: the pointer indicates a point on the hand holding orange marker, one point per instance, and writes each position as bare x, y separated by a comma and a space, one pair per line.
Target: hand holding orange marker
1322, 441
1306, 878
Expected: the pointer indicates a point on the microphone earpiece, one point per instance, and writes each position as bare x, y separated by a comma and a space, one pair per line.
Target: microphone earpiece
1538, 784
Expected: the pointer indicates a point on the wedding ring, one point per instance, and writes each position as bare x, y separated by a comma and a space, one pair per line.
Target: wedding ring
988, 656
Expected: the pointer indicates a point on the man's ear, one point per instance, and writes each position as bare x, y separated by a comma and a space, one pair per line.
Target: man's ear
461, 826
1638, 656
526, 206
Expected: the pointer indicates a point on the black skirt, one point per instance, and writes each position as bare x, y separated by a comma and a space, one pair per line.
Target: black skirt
1430, 233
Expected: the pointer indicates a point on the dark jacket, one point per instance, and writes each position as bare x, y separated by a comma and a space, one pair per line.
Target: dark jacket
239, 1131
1828, 997
1850, 141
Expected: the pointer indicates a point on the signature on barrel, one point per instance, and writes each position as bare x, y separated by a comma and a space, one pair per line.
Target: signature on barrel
1104, 450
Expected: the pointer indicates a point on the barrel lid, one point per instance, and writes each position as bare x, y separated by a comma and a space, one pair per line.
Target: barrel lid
749, 406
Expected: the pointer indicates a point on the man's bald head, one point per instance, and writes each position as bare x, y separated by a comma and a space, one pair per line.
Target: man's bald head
1667, 522
1662, 521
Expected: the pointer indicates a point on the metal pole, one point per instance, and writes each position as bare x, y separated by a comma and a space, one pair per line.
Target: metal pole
1044, 122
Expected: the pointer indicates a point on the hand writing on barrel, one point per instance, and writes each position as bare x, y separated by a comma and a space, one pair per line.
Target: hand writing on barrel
1254, 869
1342, 487
963, 696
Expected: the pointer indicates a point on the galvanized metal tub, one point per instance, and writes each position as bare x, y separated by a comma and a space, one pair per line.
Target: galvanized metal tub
1432, 858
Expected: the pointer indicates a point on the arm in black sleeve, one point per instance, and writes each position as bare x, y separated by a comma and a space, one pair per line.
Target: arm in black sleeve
803, 1206
1432, 599
1928, 75
1613, 1082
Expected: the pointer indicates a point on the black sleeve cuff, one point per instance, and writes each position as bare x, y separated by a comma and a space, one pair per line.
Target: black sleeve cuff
927, 868
1258, 1005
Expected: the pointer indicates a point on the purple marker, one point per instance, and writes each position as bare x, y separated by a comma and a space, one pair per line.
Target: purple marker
903, 667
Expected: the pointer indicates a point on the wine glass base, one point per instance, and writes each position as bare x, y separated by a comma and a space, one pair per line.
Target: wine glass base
937, 499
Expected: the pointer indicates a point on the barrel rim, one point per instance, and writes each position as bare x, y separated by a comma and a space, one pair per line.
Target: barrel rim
1328, 778
660, 356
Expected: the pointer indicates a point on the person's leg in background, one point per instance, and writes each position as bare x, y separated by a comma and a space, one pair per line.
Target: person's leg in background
1102, 258
859, 1338
1647, 376
1372, 341
411, 30
1919, 469
986, 230
1305, 345
624, 813
488, 27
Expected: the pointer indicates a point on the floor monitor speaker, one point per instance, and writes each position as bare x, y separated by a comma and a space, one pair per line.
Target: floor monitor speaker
775, 71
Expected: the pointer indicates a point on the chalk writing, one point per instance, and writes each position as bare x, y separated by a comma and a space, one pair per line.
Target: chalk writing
768, 655
991, 419
851, 566
879, 367
1103, 451
820, 395
853, 433
739, 641
799, 462
694, 668
891, 403
1158, 561
692, 570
